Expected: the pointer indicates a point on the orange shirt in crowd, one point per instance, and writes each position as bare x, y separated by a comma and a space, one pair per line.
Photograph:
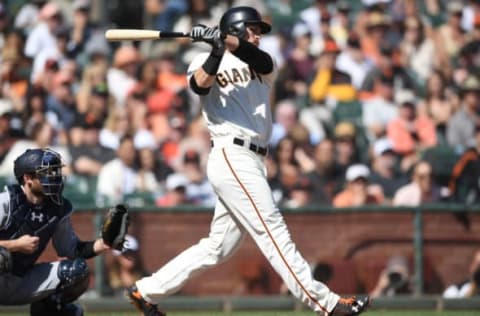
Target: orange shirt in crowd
403, 140
346, 199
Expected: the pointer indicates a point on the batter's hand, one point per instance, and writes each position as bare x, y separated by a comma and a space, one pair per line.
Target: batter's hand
26, 244
197, 32
206, 34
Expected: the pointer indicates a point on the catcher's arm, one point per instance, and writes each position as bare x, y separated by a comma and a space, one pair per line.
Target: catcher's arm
114, 229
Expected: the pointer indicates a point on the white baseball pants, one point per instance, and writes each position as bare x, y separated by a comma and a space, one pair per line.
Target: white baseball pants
245, 205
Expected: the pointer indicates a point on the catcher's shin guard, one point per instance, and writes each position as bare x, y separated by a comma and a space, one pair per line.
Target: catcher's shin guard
140, 304
74, 278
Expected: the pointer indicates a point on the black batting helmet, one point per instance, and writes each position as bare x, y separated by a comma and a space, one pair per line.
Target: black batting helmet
236, 20
45, 164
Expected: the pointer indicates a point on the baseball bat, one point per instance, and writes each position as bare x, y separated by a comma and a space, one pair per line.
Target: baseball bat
139, 34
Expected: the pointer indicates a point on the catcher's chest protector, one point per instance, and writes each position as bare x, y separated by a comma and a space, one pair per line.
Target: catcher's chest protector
34, 220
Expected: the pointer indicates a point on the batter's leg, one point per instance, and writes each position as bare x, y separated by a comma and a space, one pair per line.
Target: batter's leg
239, 177
224, 238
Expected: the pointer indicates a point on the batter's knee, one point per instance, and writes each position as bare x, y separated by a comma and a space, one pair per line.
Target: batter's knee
74, 278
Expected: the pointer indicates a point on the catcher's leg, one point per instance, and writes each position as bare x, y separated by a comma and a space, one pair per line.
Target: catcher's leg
39, 282
224, 238
73, 276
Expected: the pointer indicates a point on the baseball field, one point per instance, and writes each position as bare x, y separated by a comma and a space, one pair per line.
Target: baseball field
290, 313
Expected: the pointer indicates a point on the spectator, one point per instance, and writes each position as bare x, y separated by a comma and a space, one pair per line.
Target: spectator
353, 61
61, 103
126, 266
461, 126
301, 193
199, 190
330, 84
42, 36
438, 105
199, 12
41, 136
450, 37
29, 15
146, 180
293, 78
116, 126
378, 111
121, 77
6, 139
395, 279
35, 109
345, 135
417, 50
313, 18
373, 34
340, 23
357, 191
326, 176
420, 190
286, 117
94, 76
117, 177
88, 155
469, 287
59, 52
176, 191
273, 178
387, 66
463, 185
384, 168
409, 132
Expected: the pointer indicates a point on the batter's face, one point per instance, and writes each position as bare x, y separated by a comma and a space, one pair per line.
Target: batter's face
254, 33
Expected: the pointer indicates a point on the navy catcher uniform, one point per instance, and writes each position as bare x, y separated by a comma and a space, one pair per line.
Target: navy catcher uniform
234, 82
32, 213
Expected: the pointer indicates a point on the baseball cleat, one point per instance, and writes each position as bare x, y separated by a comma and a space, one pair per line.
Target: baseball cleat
146, 308
350, 306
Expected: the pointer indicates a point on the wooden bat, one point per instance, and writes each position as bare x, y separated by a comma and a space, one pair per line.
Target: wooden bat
139, 34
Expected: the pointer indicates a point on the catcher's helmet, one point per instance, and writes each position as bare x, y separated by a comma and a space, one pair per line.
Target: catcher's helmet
235, 21
45, 164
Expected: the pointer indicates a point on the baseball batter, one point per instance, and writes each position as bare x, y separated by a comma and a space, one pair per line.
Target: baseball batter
32, 213
234, 82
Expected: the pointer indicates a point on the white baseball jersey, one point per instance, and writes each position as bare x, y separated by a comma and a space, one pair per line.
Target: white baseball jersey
237, 105
228, 109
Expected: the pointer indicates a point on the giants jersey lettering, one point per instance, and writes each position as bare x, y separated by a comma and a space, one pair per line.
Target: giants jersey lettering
238, 103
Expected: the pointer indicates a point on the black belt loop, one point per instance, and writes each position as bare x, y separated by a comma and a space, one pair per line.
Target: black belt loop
240, 142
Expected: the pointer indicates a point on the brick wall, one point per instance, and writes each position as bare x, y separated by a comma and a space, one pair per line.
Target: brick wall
357, 245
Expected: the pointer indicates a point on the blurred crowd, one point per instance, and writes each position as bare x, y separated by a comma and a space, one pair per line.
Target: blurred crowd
376, 101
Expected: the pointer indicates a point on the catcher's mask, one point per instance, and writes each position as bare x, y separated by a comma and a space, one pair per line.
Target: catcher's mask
46, 165
235, 21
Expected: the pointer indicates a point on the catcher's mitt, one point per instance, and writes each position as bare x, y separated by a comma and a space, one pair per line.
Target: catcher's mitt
5, 260
115, 226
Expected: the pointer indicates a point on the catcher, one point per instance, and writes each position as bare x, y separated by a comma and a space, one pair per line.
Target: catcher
31, 213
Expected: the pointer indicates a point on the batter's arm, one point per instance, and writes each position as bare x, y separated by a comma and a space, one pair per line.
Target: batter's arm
204, 77
259, 60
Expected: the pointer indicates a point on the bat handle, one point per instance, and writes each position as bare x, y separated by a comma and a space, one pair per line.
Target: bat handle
173, 34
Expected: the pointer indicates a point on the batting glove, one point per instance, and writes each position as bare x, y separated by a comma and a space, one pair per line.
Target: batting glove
197, 32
